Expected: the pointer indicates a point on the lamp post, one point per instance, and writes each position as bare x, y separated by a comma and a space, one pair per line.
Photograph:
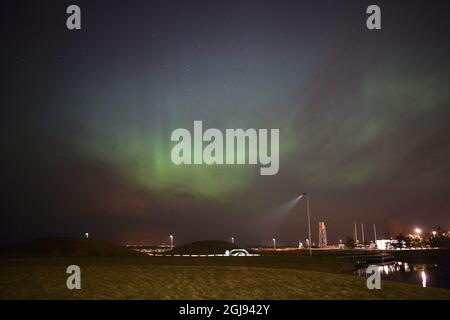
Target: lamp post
417, 238
171, 242
375, 233
362, 233
232, 240
274, 244
309, 220
418, 231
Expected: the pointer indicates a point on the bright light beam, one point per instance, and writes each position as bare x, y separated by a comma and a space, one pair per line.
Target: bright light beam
275, 216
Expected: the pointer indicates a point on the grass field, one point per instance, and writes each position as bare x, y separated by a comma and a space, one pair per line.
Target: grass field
281, 276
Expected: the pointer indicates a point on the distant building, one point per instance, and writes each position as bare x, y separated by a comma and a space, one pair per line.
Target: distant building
383, 244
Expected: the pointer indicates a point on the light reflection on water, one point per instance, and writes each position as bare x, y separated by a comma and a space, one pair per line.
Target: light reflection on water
431, 275
424, 279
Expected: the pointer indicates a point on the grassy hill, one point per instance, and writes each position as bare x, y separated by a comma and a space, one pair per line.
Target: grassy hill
277, 276
205, 247
66, 247
162, 278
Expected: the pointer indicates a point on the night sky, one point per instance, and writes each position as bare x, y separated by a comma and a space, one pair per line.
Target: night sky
364, 117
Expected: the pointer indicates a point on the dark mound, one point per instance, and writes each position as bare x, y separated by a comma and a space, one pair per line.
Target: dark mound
205, 247
67, 247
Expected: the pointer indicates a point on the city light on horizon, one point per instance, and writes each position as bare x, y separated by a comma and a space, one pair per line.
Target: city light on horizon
171, 241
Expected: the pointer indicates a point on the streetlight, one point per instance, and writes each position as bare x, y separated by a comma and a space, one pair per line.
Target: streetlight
232, 240
309, 220
434, 233
418, 231
274, 244
171, 242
